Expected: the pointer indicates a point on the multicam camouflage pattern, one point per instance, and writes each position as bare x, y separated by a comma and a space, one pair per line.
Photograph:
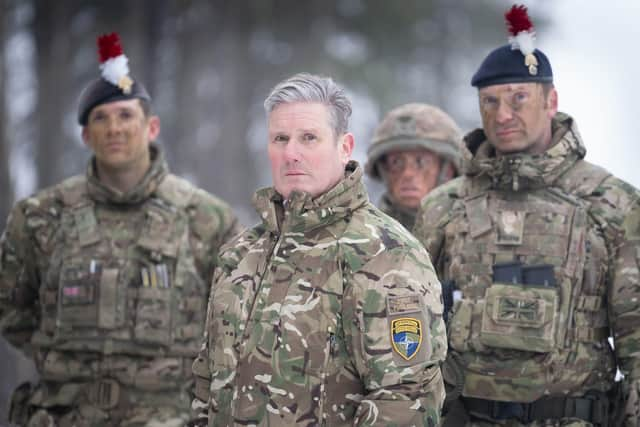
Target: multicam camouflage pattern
107, 292
404, 215
517, 343
299, 319
415, 126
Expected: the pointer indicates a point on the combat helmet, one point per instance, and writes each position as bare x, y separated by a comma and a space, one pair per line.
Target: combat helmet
415, 125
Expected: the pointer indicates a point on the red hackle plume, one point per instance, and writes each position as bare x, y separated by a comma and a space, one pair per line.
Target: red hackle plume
518, 20
109, 46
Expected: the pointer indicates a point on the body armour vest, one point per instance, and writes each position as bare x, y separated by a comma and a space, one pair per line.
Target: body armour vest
528, 270
121, 284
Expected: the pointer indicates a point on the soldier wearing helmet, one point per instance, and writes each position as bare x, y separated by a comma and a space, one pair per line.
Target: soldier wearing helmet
415, 148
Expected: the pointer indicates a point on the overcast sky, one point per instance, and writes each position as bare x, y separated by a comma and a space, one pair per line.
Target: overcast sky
594, 50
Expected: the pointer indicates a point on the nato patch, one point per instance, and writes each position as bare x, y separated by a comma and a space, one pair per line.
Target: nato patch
406, 336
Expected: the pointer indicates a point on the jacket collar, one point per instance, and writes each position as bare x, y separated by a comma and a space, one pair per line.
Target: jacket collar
521, 171
145, 188
405, 216
301, 212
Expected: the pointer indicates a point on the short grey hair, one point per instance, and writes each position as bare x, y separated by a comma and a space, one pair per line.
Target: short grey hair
304, 87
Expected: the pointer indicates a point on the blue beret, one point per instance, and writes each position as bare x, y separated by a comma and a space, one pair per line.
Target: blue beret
506, 65
100, 91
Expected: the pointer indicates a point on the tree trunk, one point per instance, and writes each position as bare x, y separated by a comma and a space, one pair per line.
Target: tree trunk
52, 35
6, 189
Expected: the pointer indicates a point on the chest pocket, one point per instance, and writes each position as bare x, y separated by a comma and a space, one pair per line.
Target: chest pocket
542, 230
83, 291
157, 295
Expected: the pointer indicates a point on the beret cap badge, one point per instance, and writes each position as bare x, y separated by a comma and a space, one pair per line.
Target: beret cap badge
114, 83
518, 61
114, 64
522, 35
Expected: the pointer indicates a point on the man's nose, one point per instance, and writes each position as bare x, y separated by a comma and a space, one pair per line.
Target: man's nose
292, 152
504, 113
114, 124
410, 168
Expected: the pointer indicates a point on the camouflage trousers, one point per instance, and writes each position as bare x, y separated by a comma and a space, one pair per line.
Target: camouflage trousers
514, 423
96, 405
86, 416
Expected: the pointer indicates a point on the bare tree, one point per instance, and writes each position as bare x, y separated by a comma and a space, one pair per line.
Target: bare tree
53, 57
6, 189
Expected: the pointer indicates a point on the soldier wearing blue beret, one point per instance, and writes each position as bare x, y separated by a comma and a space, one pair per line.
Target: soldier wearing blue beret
538, 253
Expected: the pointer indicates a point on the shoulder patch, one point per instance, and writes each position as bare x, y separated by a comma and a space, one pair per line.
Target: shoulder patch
631, 225
403, 304
406, 336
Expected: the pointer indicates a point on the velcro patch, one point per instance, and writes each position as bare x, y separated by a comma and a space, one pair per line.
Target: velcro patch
510, 228
631, 226
403, 304
406, 336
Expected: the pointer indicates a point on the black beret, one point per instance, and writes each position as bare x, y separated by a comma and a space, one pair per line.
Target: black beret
100, 91
506, 65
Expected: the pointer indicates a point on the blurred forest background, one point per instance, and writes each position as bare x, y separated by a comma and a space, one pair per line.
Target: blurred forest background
209, 65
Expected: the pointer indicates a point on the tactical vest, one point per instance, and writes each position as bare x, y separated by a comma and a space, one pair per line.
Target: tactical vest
520, 339
100, 296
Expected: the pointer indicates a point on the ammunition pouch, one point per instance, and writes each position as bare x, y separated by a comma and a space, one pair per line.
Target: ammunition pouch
106, 394
520, 317
593, 408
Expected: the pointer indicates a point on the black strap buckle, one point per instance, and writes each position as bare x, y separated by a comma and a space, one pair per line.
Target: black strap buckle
595, 405
510, 410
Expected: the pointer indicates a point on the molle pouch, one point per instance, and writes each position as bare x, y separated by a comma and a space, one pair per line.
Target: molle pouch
520, 317
153, 315
459, 327
77, 303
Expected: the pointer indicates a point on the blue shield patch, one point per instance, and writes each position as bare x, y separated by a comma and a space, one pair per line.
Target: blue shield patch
406, 336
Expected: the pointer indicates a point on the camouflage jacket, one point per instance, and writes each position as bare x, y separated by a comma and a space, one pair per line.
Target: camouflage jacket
405, 216
98, 284
326, 313
535, 334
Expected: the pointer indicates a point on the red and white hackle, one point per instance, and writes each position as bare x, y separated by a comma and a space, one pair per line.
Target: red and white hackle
523, 35
113, 62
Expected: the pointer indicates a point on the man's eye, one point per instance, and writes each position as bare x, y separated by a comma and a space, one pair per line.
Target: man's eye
423, 162
126, 115
520, 97
280, 138
489, 102
98, 117
395, 163
309, 137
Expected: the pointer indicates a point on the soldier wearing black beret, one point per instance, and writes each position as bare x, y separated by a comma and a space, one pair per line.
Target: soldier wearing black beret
538, 253
104, 277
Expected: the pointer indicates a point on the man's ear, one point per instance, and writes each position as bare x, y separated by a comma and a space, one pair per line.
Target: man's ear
450, 171
154, 127
85, 136
347, 143
552, 102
